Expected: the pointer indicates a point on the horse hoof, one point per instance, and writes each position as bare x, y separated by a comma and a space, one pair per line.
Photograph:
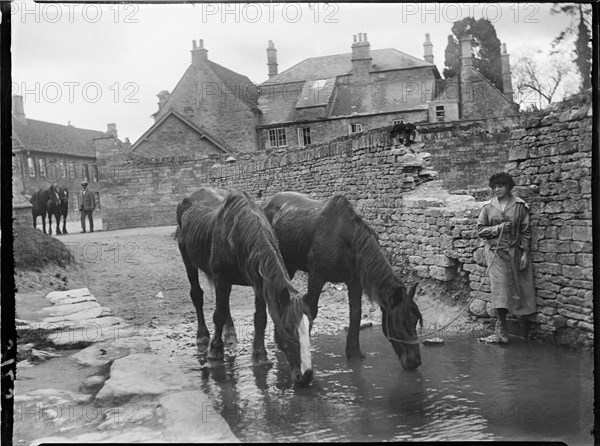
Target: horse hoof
355, 354
202, 341
215, 355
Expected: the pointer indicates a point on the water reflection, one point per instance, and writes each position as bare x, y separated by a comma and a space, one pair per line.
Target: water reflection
464, 390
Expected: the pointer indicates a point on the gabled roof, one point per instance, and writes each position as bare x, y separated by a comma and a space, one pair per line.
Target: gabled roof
235, 83
41, 136
187, 122
325, 67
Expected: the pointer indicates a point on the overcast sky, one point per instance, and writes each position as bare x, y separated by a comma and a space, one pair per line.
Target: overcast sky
97, 64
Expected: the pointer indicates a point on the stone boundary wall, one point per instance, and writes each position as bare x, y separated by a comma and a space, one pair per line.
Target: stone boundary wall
371, 169
467, 153
549, 157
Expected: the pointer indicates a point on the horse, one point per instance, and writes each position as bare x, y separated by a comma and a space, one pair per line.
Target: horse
44, 202
62, 210
226, 235
328, 240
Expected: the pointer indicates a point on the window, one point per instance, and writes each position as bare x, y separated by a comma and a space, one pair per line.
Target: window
42, 166
355, 128
440, 113
277, 137
398, 121
71, 170
94, 178
63, 170
85, 174
304, 136
31, 166
76, 201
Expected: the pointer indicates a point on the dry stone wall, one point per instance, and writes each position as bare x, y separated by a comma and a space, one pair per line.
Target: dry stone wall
434, 234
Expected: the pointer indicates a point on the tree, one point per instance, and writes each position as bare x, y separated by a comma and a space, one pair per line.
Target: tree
486, 48
452, 61
539, 78
580, 12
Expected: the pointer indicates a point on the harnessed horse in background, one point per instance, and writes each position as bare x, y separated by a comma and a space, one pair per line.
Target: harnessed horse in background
227, 236
45, 202
62, 210
331, 242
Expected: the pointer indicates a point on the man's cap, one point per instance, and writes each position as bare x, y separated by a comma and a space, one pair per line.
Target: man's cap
84, 182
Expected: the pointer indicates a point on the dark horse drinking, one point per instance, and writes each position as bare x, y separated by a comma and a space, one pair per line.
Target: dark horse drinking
331, 242
45, 202
227, 236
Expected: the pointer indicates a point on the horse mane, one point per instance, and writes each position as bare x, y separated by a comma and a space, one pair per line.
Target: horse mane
258, 256
376, 275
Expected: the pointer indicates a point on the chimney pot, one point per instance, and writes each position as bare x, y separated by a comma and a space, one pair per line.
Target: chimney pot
199, 54
365, 37
354, 36
17, 109
504, 48
428, 49
465, 51
272, 59
111, 129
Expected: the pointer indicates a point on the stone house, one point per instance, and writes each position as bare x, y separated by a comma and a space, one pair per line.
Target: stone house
45, 153
213, 110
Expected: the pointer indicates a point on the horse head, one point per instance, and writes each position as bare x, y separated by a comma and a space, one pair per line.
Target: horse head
400, 315
292, 335
53, 197
63, 194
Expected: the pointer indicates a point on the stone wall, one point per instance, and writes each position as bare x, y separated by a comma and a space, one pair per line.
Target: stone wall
368, 168
465, 154
550, 159
434, 235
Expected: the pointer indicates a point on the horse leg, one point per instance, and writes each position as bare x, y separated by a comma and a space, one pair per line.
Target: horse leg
44, 223
311, 298
215, 347
230, 336
64, 217
197, 295
57, 217
354, 300
259, 353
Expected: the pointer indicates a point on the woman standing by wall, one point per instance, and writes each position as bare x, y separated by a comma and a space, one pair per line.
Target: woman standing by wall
504, 225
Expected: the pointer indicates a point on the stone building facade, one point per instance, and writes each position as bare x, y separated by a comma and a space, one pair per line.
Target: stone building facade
213, 110
46, 153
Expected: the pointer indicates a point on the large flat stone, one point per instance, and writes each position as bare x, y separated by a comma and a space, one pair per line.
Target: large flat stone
141, 374
66, 310
103, 353
93, 330
189, 416
81, 294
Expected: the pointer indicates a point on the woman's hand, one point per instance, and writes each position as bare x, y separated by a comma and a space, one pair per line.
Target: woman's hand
524, 261
504, 227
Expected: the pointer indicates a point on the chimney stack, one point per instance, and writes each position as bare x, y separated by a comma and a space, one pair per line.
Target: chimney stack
162, 98
361, 56
428, 49
272, 59
199, 54
111, 129
506, 76
18, 111
466, 57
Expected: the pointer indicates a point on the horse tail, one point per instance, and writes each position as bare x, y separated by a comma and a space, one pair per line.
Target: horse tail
183, 206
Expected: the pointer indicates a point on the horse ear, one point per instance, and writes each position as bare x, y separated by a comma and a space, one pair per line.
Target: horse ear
411, 292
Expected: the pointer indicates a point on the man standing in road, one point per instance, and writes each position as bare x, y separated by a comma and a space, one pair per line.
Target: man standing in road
87, 204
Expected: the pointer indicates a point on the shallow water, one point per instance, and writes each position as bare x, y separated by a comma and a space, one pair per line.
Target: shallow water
464, 390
